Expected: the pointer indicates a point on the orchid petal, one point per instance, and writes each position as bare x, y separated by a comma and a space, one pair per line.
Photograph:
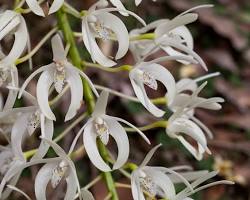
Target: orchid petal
117, 26
149, 156
44, 83
101, 104
121, 138
137, 192
164, 76
58, 48
26, 82
12, 23
137, 2
173, 173
86, 195
19, 130
92, 47
182, 125
91, 85
35, 7
56, 5
190, 176
164, 43
96, 12
6, 193
166, 27
203, 126
76, 89
118, 4
12, 93
21, 39
6, 17
42, 179
71, 186
14, 188
142, 95
132, 126
186, 84
163, 182
47, 132
89, 140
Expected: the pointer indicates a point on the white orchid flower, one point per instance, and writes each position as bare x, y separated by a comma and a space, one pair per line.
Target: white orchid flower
180, 122
154, 180
27, 120
37, 9
54, 172
103, 126
13, 23
159, 181
149, 74
118, 3
59, 73
15, 169
199, 177
101, 23
182, 98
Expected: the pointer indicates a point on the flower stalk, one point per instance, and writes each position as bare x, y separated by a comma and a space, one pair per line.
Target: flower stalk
89, 98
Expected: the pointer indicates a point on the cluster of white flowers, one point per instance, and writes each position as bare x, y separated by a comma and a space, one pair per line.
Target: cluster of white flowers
17, 124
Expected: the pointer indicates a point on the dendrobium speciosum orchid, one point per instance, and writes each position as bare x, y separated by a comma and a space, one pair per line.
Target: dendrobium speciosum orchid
101, 23
59, 73
102, 126
37, 9
13, 23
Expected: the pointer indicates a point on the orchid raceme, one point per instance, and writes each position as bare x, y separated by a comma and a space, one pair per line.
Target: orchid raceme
12, 23
101, 23
37, 9
59, 73
102, 126
104, 137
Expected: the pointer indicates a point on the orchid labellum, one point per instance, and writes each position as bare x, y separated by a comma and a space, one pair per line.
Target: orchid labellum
36, 8
100, 23
102, 126
59, 73
13, 23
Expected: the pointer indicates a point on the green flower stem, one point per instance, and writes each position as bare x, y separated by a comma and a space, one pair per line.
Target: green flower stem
74, 55
90, 101
115, 69
158, 124
107, 175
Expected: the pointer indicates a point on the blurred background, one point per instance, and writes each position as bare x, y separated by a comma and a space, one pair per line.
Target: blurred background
221, 38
